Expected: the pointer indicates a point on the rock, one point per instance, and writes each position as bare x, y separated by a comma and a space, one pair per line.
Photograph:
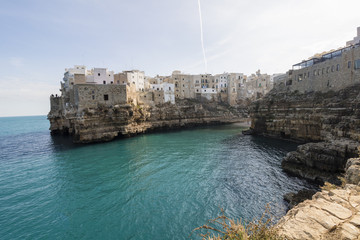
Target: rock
352, 175
248, 132
337, 210
355, 220
106, 123
295, 198
321, 161
311, 116
321, 218
354, 201
350, 231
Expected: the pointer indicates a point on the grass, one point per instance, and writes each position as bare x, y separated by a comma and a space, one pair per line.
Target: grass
224, 228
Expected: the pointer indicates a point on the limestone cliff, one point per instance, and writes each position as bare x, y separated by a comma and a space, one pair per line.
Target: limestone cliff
105, 123
331, 120
312, 116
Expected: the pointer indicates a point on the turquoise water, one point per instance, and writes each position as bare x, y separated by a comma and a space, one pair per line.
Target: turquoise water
155, 186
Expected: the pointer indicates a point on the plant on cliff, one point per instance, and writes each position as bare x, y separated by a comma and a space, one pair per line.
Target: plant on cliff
224, 228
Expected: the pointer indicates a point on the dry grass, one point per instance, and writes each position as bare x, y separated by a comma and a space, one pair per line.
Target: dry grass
222, 228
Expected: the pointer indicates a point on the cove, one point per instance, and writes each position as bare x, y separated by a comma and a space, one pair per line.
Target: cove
153, 186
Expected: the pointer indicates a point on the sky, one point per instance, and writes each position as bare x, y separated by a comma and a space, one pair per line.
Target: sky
39, 39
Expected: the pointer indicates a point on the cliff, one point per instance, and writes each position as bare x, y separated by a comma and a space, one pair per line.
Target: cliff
312, 116
105, 123
328, 125
330, 121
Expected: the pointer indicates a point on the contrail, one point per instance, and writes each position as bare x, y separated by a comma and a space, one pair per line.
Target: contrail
202, 37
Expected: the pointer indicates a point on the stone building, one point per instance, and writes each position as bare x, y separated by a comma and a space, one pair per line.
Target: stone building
257, 85
165, 91
82, 88
135, 77
331, 71
184, 85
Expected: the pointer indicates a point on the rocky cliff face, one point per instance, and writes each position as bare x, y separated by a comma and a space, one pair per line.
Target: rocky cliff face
107, 123
321, 161
331, 120
311, 116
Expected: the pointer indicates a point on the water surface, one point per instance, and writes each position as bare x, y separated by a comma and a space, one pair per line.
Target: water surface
155, 186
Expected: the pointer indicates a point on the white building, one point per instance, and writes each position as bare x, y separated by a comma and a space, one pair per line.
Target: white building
355, 40
167, 88
208, 93
69, 75
100, 76
136, 77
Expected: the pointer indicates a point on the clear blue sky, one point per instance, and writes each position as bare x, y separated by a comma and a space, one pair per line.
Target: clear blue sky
39, 39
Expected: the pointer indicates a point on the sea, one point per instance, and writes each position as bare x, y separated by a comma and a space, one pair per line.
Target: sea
152, 186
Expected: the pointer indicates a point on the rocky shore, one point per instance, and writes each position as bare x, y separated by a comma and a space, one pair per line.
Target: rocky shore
333, 213
107, 123
328, 125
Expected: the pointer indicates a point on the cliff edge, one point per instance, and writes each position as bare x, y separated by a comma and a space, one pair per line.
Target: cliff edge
104, 123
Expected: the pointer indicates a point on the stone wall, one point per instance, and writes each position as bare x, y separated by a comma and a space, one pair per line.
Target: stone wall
146, 98
91, 95
55, 103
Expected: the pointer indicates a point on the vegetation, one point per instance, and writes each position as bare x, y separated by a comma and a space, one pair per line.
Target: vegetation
224, 228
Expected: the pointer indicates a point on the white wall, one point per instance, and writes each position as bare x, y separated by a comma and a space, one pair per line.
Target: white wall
103, 76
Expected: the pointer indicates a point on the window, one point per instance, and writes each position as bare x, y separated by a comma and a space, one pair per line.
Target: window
169, 88
93, 97
332, 68
338, 67
111, 82
357, 64
104, 82
92, 91
106, 97
300, 78
98, 74
349, 64
118, 82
